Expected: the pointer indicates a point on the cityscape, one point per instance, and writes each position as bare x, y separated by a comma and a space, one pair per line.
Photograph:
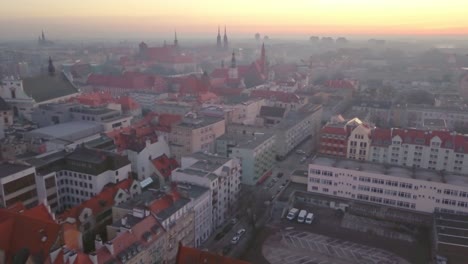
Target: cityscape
300, 132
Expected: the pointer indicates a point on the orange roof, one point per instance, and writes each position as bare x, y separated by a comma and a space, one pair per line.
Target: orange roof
33, 229
165, 165
187, 255
98, 203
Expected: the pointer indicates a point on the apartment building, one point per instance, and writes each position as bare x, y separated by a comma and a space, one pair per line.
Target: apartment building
256, 153
430, 149
415, 189
173, 212
221, 175
18, 184
244, 112
82, 173
195, 134
202, 207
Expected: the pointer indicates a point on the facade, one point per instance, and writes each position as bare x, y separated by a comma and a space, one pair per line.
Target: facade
18, 184
25, 94
296, 127
195, 134
202, 207
6, 113
221, 175
256, 153
418, 190
174, 214
437, 150
109, 117
82, 173
236, 113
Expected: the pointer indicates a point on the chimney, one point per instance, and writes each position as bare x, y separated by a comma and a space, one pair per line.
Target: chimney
93, 257
110, 247
98, 242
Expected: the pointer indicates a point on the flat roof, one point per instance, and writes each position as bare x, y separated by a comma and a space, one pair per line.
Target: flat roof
199, 122
192, 190
66, 129
300, 173
6, 169
247, 141
392, 170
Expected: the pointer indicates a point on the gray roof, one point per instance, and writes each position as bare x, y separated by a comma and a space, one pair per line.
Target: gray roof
193, 191
47, 87
246, 141
4, 106
6, 169
272, 111
199, 122
67, 131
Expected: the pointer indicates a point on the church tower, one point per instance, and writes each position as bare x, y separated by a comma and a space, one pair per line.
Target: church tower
232, 72
176, 42
218, 39
263, 62
226, 44
51, 68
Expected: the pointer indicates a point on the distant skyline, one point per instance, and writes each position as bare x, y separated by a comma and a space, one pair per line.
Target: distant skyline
24, 19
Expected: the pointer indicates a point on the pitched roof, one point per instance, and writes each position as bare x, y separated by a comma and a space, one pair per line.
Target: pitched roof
165, 165
4, 106
47, 87
32, 230
102, 201
187, 255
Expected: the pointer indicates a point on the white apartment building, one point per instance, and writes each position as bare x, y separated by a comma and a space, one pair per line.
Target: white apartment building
18, 184
203, 209
256, 153
221, 175
434, 150
412, 189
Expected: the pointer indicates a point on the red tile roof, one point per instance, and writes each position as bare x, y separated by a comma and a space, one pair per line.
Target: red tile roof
33, 229
165, 165
102, 201
187, 255
127, 103
334, 130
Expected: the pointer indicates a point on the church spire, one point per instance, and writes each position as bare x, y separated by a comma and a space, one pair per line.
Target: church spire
43, 35
176, 42
263, 59
233, 60
51, 67
226, 44
218, 39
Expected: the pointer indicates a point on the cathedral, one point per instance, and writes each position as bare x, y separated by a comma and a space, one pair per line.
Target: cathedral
222, 45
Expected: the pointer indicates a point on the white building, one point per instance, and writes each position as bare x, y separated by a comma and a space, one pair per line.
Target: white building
221, 175
359, 140
413, 189
203, 208
25, 94
18, 184
82, 173
141, 158
256, 153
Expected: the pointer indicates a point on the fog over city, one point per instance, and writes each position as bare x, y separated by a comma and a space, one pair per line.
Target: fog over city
234, 132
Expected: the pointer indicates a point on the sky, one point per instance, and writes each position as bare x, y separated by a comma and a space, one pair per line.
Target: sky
135, 18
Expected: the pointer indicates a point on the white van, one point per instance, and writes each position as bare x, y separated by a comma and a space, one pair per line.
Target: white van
309, 218
292, 214
302, 215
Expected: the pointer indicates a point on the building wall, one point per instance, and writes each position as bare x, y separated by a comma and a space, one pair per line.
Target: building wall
7, 118
202, 218
408, 193
359, 143
19, 187
141, 162
47, 190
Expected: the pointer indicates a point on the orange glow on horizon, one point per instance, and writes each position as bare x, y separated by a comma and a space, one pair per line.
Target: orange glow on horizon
271, 17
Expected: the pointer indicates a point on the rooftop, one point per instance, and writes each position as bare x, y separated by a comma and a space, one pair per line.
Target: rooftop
293, 117
199, 122
68, 131
47, 87
246, 141
192, 191
6, 169
300, 173
187, 255
391, 170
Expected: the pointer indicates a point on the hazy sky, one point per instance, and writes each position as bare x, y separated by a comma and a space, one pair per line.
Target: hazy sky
158, 18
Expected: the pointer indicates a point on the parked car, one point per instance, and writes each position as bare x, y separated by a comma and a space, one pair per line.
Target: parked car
292, 214
303, 159
240, 232
302, 215
300, 151
275, 179
234, 221
279, 175
309, 218
235, 240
